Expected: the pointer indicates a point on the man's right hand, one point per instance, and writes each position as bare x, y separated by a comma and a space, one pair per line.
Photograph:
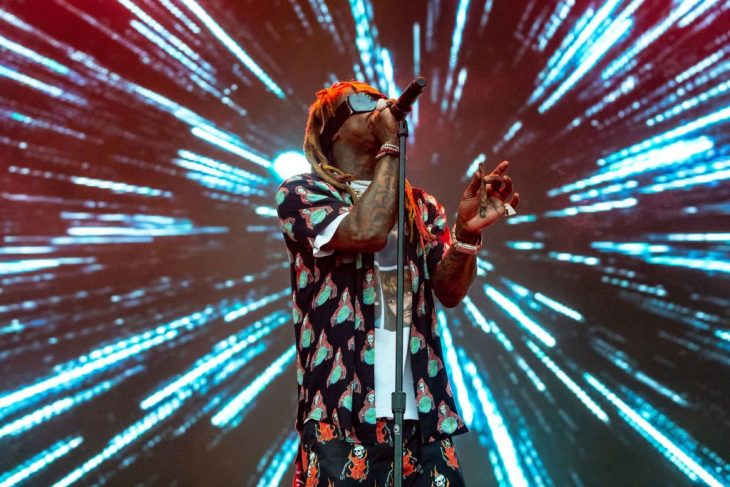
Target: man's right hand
383, 124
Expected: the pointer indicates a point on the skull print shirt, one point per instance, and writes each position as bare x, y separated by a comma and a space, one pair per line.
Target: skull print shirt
334, 317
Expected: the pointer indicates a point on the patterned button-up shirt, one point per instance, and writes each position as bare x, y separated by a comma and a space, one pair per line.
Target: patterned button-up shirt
333, 313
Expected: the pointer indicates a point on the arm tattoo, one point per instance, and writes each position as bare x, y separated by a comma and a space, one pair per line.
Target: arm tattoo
453, 276
374, 214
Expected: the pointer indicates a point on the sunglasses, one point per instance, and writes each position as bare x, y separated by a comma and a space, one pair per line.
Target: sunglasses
360, 102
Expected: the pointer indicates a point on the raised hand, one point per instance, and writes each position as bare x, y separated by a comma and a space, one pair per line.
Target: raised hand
490, 192
383, 124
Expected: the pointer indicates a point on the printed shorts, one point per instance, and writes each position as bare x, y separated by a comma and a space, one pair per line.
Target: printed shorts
327, 460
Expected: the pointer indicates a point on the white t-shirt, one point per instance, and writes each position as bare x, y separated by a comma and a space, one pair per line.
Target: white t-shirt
384, 322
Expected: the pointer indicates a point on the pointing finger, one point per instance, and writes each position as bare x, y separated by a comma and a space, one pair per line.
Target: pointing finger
501, 168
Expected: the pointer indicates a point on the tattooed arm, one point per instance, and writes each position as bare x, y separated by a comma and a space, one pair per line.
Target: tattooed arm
366, 227
455, 273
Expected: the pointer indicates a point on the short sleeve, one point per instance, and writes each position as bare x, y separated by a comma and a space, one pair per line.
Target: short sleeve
306, 206
434, 216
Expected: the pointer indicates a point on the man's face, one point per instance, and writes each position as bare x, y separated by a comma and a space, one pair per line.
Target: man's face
356, 130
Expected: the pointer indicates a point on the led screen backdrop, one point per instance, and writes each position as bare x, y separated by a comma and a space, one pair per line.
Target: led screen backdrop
145, 334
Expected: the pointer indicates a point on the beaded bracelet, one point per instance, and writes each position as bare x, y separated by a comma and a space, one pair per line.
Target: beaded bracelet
387, 149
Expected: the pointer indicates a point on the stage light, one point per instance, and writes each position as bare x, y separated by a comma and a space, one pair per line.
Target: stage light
290, 163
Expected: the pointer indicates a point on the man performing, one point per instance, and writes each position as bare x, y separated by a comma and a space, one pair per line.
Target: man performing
338, 224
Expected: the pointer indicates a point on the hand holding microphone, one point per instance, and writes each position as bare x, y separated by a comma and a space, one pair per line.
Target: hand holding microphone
399, 108
404, 104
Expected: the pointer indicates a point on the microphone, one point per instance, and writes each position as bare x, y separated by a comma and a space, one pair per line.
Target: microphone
405, 101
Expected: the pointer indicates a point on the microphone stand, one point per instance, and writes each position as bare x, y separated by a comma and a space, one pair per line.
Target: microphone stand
398, 398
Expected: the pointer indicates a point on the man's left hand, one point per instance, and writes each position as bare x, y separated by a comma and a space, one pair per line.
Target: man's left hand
491, 191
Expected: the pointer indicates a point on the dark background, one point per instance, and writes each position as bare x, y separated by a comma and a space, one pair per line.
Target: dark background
141, 255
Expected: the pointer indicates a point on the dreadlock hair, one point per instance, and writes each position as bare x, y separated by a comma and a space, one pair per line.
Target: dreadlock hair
322, 110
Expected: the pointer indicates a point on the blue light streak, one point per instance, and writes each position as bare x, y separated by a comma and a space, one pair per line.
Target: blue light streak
232, 145
584, 398
522, 245
484, 267
102, 359
31, 82
167, 38
224, 351
34, 56
487, 327
485, 14
39, 462
690, 103
324, 17
122, 440
280, 462
708, 265
698, 237
516, 220
481, 158
42, 124
233, 47
673, 452
416, 49
562, 9
593, 208
368, 44
181, 16
600, 47
606, 190
539, 384
458, 34
456, 376
458, 91
584, 30
704, 261
49, 411
514, 312
679, 152
677, 12
658, 290
235, 408
172, 231
456, 39
33, 265
703, 122
497, 428
119, 187
711, 179
190, 64
559, 307
697, 13
241, 310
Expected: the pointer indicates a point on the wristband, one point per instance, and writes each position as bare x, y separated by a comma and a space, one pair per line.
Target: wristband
387, 149
465, 248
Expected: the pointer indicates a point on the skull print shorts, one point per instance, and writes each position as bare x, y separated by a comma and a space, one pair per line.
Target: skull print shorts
327, 460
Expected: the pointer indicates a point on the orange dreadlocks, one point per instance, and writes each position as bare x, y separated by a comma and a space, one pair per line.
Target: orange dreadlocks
319, 113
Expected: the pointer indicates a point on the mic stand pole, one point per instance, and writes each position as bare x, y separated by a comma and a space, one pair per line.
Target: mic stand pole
398, 398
